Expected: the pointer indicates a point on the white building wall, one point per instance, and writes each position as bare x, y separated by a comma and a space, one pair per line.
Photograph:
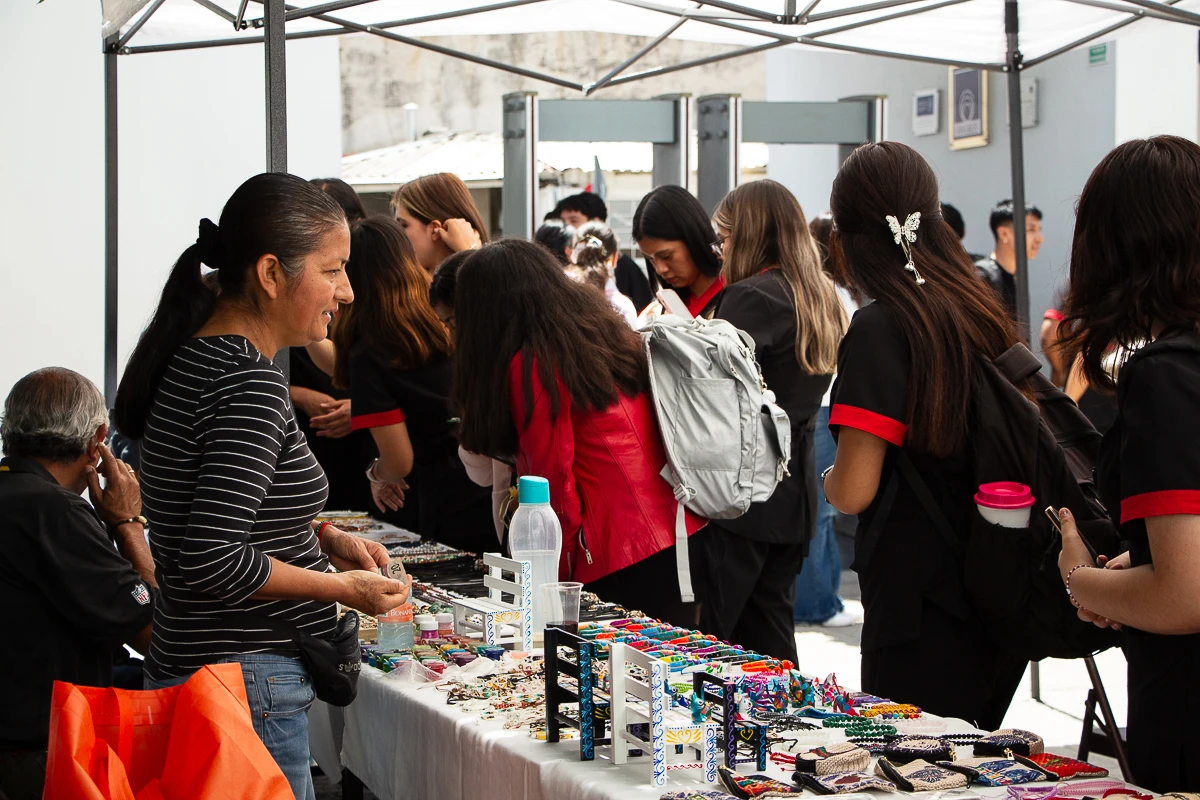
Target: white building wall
1158, 81
191, 129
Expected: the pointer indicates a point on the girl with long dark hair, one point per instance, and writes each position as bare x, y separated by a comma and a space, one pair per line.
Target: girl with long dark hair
1135, 283
228, 482
902, 394
394, 354
675, 234
548, 374
776, 292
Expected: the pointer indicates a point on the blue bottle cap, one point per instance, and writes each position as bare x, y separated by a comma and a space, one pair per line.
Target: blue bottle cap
533, 490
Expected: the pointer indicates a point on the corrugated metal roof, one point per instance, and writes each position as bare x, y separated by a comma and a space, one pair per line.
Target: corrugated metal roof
479, 157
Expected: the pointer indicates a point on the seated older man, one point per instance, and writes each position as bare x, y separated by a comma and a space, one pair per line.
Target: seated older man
69, 597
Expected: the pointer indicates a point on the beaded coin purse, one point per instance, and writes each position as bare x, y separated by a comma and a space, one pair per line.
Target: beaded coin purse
696, 794
921, 776
841, 757
1022, 743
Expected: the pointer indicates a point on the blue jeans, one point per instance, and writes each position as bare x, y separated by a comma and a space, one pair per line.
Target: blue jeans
817, 584
280, 692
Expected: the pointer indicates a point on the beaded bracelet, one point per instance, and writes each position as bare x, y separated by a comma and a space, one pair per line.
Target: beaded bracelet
840, 721
961, 738
1067, 582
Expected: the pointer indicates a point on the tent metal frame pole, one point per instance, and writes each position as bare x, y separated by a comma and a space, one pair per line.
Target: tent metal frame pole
1176, 14
216, 9
867, 51
398, 23
619, 68
1135, 16
908, 12
1016, 139
275, 64
808, 9
137, 26
324, 8
754, 13
699, 62
111, 226
240, 22
863, 9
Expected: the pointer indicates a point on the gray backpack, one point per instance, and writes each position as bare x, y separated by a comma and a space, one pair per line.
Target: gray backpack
727, 443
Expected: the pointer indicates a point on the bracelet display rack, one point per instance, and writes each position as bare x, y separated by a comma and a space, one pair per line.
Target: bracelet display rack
486, 616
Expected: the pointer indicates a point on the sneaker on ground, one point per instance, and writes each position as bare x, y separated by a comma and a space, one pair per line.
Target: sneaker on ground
844, 618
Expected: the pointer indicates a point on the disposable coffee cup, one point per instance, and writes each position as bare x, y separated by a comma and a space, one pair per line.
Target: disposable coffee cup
1005, 503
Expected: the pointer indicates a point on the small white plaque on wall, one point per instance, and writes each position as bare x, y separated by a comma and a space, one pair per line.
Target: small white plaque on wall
926, 112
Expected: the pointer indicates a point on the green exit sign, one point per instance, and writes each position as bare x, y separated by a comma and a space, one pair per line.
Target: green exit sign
1098, 54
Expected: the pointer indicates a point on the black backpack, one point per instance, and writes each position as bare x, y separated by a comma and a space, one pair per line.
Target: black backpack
1011, 575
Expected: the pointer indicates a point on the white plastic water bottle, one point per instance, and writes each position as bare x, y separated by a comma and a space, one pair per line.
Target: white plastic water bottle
535, 536
395, 630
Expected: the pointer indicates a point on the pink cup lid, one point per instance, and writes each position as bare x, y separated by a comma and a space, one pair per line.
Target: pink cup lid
1004, 494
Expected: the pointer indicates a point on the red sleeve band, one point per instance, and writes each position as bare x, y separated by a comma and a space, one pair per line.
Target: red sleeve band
377, 420
1054, 315
885, 428
1160, 504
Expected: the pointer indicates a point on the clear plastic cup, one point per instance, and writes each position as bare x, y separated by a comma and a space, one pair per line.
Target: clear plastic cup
561, 601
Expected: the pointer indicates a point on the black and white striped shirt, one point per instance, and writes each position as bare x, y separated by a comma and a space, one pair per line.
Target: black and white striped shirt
227, 480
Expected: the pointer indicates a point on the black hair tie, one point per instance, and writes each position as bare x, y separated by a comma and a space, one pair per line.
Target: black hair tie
212, 250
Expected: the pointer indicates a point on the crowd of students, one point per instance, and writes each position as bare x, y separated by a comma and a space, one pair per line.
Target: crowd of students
431, 365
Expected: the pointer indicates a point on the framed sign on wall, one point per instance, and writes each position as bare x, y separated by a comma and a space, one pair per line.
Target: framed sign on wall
968, 108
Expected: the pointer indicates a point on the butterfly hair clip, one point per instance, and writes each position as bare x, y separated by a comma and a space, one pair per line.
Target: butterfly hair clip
904, 236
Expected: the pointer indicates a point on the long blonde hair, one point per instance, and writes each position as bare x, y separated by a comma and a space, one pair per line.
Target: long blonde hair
767, 229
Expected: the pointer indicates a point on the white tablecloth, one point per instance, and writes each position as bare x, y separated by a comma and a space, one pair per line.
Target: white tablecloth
405, 742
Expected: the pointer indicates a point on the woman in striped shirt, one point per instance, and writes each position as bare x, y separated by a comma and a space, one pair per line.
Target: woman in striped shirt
229, 484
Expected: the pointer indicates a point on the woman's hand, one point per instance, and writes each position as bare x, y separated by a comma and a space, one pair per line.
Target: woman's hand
457, 234
1074, 553
371, 593
332, 420
388, 496
348, 552
310, 401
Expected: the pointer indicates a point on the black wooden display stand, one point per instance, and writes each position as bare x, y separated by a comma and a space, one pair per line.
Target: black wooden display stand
723, 693
1100, 732
591, 725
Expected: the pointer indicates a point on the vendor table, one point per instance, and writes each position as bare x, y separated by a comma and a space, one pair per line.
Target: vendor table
404, 742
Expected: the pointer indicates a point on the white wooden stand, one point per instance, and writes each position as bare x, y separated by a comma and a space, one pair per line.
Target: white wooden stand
493, 610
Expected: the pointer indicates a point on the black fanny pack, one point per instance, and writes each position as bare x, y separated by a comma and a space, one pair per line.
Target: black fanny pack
332, 663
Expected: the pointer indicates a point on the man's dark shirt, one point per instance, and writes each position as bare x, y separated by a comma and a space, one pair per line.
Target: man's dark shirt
633, 283
67, 595
1002, 283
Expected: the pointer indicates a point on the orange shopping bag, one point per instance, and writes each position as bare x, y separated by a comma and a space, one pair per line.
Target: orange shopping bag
180, 743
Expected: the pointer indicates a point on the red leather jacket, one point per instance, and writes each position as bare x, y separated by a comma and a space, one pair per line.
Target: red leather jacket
603, 468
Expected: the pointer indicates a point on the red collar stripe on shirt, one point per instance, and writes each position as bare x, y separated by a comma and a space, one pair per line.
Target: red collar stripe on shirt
1160, 504
886, 428
697, 304
377, 420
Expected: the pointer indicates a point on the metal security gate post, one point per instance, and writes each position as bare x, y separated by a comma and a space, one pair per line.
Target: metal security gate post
111, 227
518, 199
876, 123
719, 136
672, 162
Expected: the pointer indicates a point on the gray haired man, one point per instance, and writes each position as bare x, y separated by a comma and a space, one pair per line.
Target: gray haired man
70, 598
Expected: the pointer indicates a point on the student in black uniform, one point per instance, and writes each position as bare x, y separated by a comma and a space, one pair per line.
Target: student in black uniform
676, 236
395, 355
903, 392
1135, 277
777, 293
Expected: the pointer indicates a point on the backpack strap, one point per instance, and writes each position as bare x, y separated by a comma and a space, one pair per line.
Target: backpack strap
865, 549
1017, 363
909, 470
683, 564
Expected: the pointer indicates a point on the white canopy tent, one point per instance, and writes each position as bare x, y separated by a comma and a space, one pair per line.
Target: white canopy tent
999, 35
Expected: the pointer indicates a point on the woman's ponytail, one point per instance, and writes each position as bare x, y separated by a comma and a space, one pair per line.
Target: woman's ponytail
187, 302
272, 213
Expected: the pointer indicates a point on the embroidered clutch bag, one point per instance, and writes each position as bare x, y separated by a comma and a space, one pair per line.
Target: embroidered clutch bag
1067, 768
843, 782
1021, 743
992, 771
841, 757
921, 776
747, 786
696, 794
904, 749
